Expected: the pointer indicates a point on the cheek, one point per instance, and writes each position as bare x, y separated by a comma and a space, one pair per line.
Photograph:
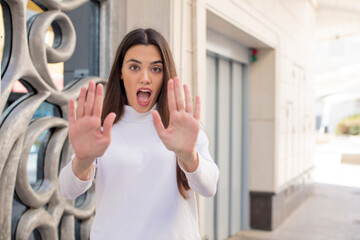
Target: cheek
128, 85
159, 84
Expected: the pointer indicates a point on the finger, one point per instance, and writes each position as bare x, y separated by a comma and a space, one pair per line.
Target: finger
108, 122
197, 108
178, 94
71, 111
98, 100
159, 126
188, 100
90, 97
171, 96
80, 111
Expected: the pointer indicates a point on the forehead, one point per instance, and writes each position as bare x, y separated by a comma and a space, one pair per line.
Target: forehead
145, 52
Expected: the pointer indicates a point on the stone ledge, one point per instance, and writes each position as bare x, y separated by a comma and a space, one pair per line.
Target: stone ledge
269, 209
350, 158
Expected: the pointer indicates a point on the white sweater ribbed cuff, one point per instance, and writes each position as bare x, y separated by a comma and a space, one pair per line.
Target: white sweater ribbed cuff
201, 179
72, 186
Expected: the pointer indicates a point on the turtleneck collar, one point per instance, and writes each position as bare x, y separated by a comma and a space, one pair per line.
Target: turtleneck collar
131, 115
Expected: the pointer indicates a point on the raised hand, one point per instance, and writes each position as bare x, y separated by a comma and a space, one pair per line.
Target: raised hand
86, 136
181, 134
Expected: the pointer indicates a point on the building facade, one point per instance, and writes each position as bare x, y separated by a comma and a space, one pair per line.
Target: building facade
249, 61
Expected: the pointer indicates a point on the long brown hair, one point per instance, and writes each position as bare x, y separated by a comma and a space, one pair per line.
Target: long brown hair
115, 97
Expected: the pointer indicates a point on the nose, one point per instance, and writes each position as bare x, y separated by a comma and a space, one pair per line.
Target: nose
145, 78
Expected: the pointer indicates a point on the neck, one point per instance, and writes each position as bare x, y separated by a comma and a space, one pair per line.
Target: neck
131, 115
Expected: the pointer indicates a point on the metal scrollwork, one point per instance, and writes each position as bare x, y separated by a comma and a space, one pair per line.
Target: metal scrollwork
47, 211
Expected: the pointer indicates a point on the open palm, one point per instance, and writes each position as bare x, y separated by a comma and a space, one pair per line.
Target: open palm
181, 134
87, 137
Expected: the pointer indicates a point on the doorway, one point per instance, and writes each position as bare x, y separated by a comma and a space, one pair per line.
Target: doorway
225, 125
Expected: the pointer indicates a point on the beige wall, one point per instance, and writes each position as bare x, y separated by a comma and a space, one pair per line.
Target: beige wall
281, 96
281, 117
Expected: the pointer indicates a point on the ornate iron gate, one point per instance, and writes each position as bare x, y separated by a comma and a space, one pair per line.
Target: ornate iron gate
38, 210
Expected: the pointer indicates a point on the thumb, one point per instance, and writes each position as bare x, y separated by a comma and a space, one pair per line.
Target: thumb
108, 122
159, 126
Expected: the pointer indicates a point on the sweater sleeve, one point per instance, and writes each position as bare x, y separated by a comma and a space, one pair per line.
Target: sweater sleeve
70, 185
204, 179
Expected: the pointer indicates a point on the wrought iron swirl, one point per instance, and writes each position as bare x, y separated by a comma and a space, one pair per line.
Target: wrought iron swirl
27, 58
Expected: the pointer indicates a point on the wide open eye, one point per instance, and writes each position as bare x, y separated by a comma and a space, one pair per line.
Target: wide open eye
156, 69
134, 67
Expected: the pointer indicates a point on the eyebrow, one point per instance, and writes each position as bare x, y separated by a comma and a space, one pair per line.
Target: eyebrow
137, 61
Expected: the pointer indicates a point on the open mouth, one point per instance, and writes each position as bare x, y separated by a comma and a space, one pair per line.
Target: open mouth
143, 96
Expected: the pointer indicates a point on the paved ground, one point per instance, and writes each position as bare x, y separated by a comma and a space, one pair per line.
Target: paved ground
332, 212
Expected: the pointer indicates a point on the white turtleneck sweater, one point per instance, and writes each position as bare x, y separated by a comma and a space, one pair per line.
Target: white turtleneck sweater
137, 196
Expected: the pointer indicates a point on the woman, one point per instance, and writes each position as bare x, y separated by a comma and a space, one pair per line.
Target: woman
150, 157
